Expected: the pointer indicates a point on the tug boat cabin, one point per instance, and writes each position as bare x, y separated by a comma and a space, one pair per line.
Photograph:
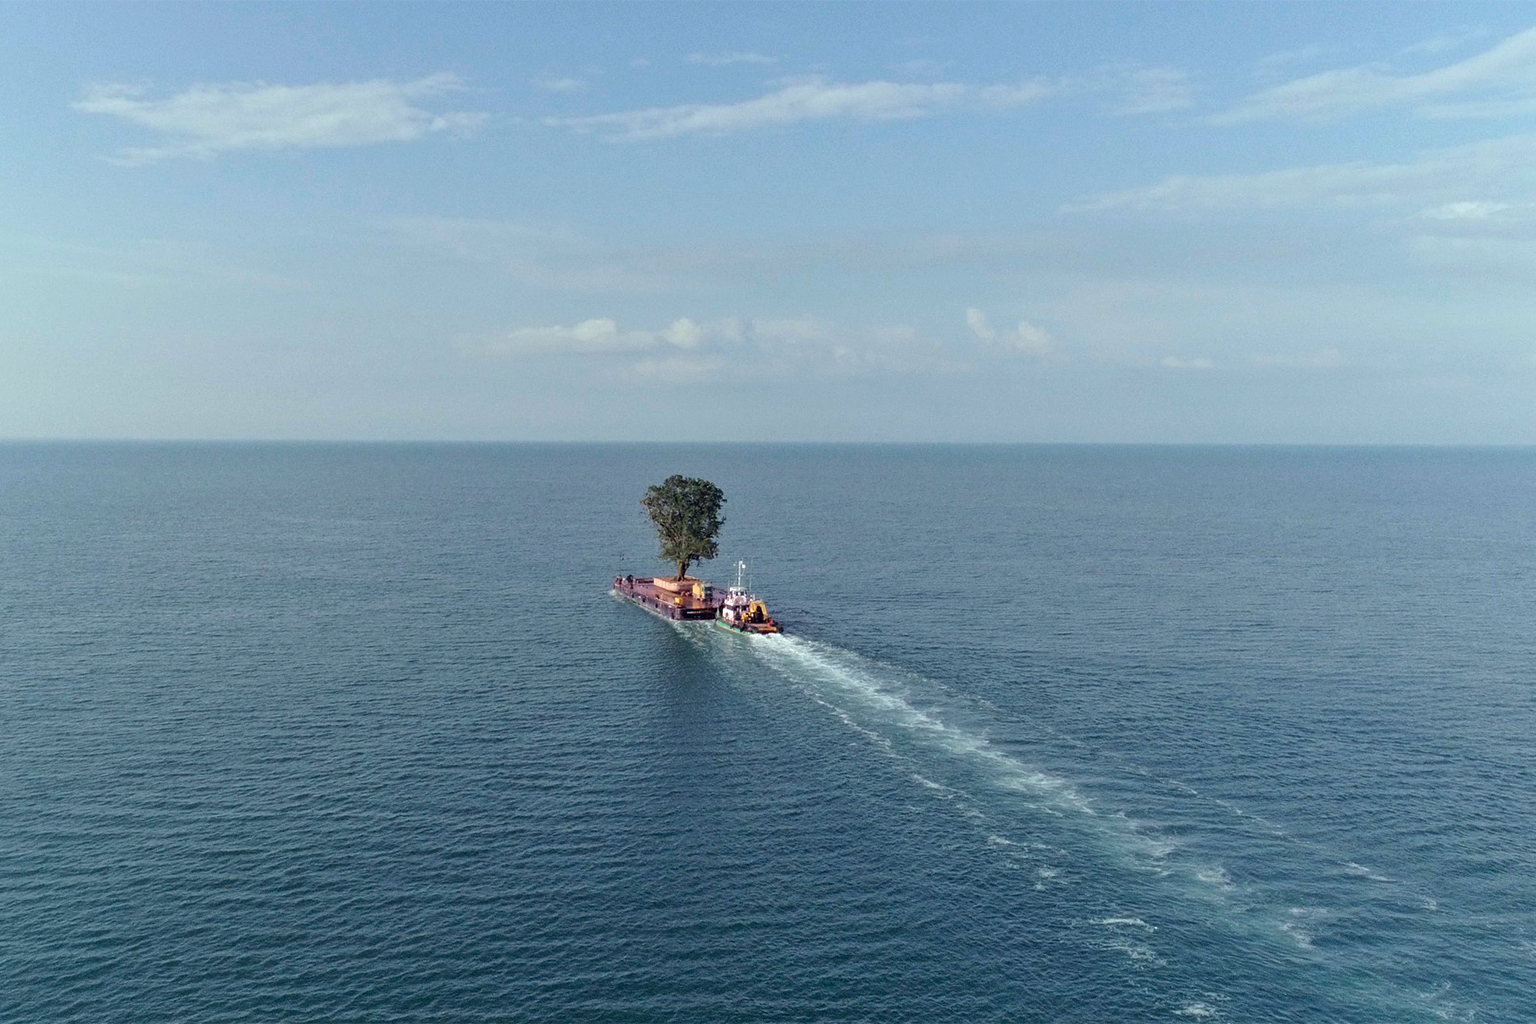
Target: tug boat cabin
742, 612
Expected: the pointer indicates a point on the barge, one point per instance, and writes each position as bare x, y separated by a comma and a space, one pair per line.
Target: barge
687, 598
734, 609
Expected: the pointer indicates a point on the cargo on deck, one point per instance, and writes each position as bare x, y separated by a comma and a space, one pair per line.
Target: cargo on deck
687, 598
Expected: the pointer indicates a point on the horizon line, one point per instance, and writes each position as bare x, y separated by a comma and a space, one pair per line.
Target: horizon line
571, 442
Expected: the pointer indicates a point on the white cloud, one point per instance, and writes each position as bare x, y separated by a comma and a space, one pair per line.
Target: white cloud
717, 60
1497, 167
686, 334
1466, 210
814, 99
1483, 211
976, 320
206, 120
1026, 338
1031, 340
1499, 82
691, 349
1197, 363
601, 335
588, 336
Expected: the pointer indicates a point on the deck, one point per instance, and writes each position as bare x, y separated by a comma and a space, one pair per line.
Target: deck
684, 604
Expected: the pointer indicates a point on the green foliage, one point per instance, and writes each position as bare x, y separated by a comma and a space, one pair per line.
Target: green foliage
686, 511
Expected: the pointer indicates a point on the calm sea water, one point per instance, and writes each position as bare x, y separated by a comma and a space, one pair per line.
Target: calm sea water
357, 733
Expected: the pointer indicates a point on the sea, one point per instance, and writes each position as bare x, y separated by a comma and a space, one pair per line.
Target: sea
359, 732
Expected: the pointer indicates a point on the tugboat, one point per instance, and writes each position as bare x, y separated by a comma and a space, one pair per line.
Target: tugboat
741, 612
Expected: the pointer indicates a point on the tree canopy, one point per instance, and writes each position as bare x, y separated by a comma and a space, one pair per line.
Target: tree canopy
686, 511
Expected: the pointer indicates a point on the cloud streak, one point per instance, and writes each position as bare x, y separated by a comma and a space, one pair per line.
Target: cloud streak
699, 349
809, 100
207, 120
602, 336
1494, 171
1025, 339
720, 60
1499, 82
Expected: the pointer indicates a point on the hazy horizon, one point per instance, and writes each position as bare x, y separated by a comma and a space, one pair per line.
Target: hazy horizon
811, 442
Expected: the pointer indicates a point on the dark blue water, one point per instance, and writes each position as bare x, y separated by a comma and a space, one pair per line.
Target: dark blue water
356, 733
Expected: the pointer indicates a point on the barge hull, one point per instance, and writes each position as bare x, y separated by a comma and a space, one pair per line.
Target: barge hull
682, 605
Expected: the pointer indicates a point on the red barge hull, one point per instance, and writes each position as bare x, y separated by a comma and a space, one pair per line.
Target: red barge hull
671, 599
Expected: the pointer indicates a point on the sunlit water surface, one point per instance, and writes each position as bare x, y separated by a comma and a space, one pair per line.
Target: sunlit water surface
358, 733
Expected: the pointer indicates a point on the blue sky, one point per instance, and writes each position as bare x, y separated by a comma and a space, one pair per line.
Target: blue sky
1023, 222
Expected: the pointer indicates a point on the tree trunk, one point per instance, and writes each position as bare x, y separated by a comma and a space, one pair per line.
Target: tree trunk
682, 570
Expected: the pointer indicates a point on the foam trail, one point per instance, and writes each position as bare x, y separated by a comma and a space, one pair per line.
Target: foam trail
1197, 1010
1360, 871
1124, 922
892, 707
831, 675
800, 658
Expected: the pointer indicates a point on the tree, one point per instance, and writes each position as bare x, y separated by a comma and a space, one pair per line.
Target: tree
686, 511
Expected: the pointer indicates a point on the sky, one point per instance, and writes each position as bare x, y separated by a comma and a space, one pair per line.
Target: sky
1025, 222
